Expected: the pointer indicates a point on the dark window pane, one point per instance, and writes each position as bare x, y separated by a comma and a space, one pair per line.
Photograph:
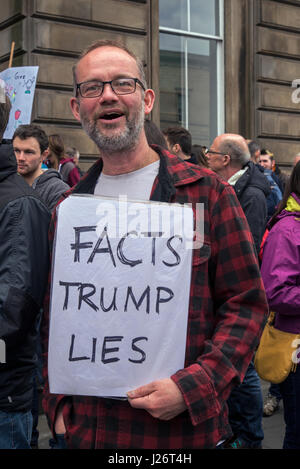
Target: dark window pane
172, 81
202, 90
205, 16
173, 14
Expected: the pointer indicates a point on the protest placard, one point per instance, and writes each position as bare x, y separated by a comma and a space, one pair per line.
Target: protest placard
120, 294
20, 85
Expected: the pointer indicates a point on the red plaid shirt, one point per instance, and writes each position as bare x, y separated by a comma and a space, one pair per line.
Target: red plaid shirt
226, 315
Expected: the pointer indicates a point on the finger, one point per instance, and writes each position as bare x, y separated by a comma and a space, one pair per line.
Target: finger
139, 402
142, 391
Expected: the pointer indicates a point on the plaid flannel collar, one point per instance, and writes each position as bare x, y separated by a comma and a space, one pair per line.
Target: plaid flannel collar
173, 172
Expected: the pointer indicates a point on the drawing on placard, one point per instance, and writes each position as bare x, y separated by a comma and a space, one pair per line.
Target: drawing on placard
20, 87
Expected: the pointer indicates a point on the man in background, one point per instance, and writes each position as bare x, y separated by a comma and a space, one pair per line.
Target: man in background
24, 264
268, 162
229, 157
254, 149
179, 141
73, 153
30, 144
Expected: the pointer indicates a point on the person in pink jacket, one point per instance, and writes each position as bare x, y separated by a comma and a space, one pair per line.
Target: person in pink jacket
280, 271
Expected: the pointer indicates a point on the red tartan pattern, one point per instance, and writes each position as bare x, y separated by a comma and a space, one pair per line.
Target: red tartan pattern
226, 316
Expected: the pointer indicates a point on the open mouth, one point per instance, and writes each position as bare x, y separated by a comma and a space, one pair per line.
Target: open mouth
111, 116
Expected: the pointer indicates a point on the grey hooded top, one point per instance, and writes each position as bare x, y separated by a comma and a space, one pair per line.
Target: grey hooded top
50, 187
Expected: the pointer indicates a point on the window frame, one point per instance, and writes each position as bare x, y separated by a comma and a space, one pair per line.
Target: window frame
186, 34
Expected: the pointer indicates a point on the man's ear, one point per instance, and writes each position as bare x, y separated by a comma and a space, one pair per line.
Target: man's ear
74, 103
149, 99
45, 154
226, 160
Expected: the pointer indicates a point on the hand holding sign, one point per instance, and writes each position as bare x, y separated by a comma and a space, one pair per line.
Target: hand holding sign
162, 399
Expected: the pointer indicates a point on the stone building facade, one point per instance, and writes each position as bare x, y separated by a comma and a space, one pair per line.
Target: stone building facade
261, 62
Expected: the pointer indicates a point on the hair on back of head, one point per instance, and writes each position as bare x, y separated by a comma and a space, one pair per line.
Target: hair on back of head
253, 146
56, 145
181, 136
239, 153
198, 153
154, 135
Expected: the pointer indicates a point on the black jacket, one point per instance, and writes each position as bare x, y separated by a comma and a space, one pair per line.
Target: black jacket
24, 263
251, 189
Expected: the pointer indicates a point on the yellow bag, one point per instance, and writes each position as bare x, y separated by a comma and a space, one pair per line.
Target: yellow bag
273, 358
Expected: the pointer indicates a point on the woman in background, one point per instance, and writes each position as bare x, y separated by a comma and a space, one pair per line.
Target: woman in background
280, 271
59, 160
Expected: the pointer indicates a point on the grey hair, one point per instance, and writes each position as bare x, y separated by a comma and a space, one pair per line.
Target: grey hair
239, 153
109, 43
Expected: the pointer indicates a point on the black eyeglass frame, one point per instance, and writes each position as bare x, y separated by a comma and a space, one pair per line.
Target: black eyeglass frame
135, 80
214, 152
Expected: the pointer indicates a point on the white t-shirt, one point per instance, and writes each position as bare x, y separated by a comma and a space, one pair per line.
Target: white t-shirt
136, 185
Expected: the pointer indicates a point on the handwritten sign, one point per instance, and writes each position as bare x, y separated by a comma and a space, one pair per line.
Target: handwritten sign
20, 87
120, 294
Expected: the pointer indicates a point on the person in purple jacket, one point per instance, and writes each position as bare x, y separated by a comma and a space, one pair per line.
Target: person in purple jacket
280, 271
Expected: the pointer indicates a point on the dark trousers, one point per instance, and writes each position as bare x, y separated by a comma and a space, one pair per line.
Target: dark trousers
246, 409
290, 391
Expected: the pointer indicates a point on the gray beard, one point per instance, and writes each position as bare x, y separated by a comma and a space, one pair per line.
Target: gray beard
127, 140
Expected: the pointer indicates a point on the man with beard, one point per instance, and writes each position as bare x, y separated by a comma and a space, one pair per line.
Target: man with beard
227, 300
30, 144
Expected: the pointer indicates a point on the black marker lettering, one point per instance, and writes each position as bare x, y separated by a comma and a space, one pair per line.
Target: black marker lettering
121, 255
67, 285
113, 303
85, 297
155, 235
110, 350
178, 259
102, 250
78, 245
94, 350
163, 300
71, 358
138, 304
137, 349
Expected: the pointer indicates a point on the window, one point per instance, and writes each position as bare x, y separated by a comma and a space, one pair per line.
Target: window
191, 67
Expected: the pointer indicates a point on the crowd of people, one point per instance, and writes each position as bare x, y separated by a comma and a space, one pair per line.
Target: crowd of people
248, 263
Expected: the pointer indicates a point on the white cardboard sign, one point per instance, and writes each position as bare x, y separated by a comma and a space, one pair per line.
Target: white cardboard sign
120, 294
20, 85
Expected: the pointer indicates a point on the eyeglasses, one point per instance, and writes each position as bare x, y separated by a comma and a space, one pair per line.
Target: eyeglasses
212, 152
120, 86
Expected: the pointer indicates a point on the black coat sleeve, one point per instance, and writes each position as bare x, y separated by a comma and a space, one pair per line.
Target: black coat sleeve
24, 264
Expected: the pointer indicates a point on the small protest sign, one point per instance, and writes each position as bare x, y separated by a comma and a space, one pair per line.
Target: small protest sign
20, 85
120, 294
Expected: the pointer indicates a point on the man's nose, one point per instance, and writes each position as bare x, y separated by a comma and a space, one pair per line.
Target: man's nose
108, 94
21, 155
